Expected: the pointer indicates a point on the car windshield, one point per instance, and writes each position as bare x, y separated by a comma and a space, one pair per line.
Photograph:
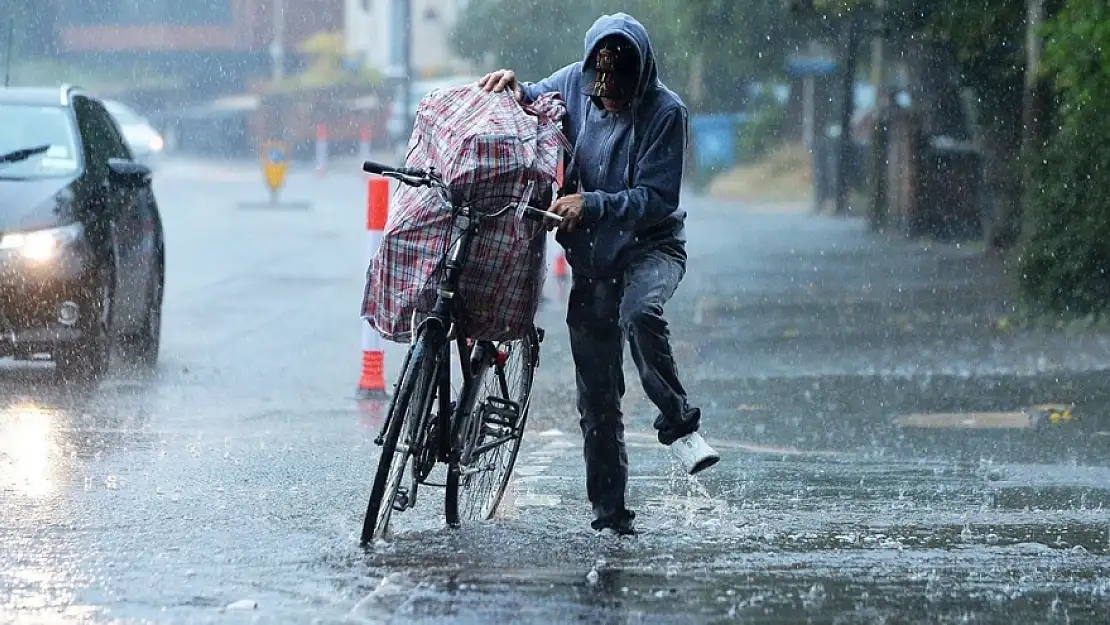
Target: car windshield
25, 126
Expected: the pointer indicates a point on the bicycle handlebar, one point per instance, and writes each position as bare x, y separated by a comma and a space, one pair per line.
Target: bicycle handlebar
384, 170
538, 214
416, 177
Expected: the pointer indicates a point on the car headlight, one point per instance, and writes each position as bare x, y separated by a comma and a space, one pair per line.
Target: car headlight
40, 245
156, 143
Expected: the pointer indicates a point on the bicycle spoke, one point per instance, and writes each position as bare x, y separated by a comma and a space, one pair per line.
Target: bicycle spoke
508, 383
411, 402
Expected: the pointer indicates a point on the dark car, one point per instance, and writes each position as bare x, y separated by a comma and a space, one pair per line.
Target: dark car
82, 254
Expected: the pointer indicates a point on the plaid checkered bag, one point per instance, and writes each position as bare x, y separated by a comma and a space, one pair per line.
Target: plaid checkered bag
489, 150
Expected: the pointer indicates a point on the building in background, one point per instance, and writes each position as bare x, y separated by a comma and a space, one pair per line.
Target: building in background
372, 29
215, 46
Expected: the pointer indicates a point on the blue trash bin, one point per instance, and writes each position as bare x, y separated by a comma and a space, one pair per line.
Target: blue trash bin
714, 141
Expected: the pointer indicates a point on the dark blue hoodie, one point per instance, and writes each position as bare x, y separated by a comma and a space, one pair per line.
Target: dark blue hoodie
629, 163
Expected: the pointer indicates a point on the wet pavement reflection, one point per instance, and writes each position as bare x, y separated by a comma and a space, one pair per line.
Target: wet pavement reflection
56, 440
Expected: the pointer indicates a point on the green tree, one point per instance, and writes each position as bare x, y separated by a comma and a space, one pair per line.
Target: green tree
985, 41
731, 42
737, 43
1065, 259
534, 39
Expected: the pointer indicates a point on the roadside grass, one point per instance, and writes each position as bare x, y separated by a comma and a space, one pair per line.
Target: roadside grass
784, 175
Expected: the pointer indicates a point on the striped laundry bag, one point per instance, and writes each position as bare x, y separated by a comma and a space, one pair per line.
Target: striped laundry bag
489, 150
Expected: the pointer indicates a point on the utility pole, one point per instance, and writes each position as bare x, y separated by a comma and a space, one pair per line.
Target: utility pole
277, 45
399, 70
848, 101
406, 62
8, 54
1035, 104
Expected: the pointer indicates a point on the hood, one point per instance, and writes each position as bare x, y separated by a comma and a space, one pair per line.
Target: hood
137, 132
139, 137
634, 31
35, 203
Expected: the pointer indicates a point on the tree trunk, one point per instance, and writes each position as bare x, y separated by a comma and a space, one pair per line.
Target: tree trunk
1037, 96
847, 100
877, 211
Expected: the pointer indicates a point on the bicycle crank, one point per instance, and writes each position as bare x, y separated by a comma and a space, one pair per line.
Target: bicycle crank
427, 447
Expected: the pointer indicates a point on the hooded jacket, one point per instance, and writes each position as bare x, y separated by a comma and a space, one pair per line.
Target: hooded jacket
628, 163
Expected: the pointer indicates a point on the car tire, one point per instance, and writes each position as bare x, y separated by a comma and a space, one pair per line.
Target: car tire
87, 360
146, 342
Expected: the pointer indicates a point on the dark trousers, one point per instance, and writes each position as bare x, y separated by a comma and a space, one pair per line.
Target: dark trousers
600, 314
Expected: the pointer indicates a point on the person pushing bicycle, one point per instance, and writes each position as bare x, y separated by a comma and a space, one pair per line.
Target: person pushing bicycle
624, 235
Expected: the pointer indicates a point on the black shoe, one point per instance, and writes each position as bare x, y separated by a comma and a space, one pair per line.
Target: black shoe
621, 525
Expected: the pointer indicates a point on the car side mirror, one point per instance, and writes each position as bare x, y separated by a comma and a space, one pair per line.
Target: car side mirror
128, 173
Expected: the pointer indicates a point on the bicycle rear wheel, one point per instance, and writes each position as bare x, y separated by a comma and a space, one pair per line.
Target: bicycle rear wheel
496, 425
408, 412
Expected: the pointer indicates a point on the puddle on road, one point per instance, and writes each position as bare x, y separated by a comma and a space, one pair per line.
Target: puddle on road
833, 588
782, 537
778, 536
1057, 497
704, 558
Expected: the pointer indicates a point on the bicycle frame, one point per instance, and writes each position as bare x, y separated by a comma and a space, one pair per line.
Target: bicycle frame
445, 315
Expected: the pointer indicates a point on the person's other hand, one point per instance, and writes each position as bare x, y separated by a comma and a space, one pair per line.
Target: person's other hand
499, 80
570, 208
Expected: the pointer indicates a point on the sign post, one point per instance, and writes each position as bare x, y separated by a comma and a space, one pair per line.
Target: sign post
275, 157
275, 165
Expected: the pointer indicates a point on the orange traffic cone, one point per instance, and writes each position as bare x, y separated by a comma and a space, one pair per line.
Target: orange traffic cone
371, 384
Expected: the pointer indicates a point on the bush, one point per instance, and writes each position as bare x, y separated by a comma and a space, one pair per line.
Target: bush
762, 133
1065, 256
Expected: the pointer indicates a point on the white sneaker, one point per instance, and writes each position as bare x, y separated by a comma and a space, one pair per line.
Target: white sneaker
693, 453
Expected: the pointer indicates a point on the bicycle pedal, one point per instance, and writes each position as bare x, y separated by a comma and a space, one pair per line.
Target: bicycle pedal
540, 333
500, 409
401, 500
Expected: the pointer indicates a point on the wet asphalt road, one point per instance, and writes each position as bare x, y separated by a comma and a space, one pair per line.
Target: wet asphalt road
229, 486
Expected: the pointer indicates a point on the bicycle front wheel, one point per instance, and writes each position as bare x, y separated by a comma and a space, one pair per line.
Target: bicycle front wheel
407, 413
497, 422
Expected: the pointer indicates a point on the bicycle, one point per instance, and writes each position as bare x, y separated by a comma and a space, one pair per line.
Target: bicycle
464, 431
